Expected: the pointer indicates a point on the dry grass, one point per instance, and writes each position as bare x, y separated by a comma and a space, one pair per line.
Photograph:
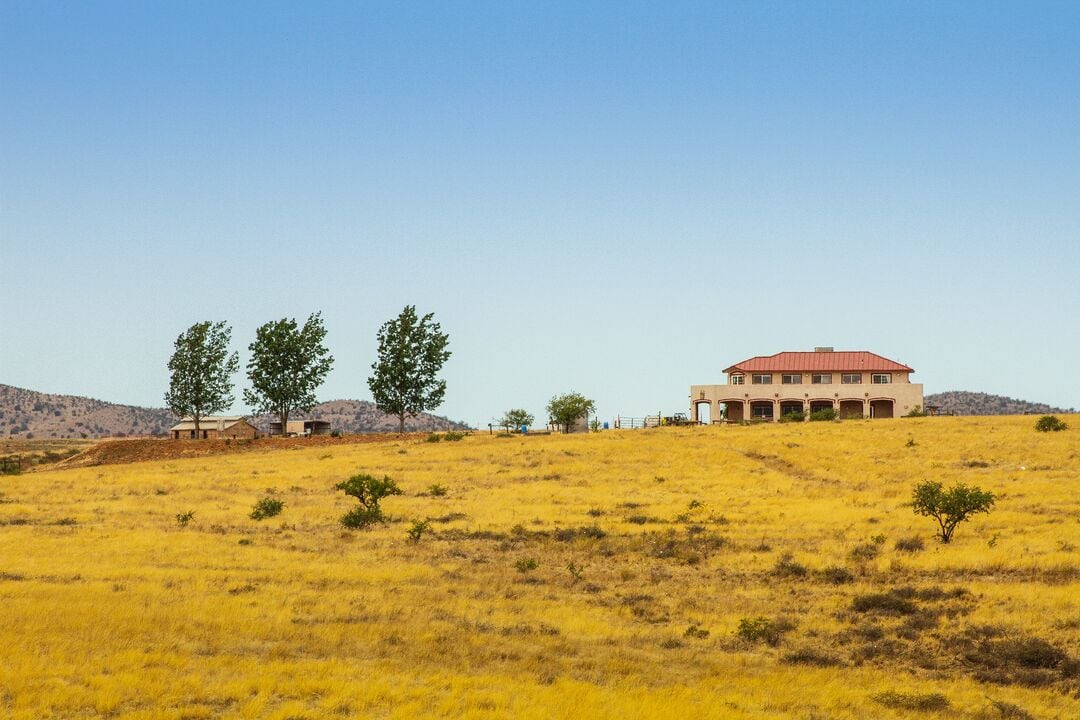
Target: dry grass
674, 536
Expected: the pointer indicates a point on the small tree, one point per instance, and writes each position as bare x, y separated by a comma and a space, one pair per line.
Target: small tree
1050, 423
369, 490
287, 364
566, 409
516, 418
411, 353
950, 507
200, 372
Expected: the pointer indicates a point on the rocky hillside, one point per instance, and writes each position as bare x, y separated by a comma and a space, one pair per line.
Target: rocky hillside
26, 414
961, 402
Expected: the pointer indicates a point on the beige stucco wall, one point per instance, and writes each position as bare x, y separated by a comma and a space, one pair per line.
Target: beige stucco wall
905, 395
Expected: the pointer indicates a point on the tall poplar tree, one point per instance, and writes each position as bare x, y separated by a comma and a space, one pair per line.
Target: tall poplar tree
287, 364
411, 353
200, 372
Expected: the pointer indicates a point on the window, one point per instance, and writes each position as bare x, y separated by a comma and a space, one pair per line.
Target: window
821, 379
881, 378
762, 379
761, 411
851, 378
792, 379
736, 380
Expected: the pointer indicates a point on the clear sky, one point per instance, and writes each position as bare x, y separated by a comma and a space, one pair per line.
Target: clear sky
621, 199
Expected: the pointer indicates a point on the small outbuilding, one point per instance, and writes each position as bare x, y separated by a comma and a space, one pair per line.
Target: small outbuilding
301, 427
214, 427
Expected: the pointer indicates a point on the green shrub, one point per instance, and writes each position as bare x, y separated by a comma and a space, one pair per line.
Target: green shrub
696, 632
823, 415
526, 565
436, 490
910, 544
837, 575
417, 530
794, 416
434, 438
267, 507
762, 629
335, 433
369, 491
1050, 423
787, 567
182, 519
916, 411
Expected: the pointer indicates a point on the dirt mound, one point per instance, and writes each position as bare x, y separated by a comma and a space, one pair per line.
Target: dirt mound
119, 451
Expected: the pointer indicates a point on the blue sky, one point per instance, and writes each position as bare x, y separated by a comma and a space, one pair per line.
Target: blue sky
621, 199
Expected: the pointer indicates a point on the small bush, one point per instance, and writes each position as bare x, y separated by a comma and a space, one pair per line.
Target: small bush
65, 521
696, 632
837, 575
267, 507
434, 438
916, 411
825, 414
437, 490
526, 565
454, 436
1050, 423
865, 552
182, 519
911, 544
787, 567
794, 416
576, 572
1009, 711
335, 433
911, 701
417, 530
761, 629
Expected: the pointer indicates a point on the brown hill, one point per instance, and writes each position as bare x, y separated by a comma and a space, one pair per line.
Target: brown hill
962, 402
27, 414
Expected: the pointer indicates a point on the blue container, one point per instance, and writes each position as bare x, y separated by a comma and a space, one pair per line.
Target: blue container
605, 426
524, 429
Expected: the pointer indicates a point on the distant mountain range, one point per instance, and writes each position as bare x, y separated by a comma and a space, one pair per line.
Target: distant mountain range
961, 402
30, 414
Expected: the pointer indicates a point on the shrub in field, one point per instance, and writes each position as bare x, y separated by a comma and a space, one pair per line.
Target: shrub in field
794, 416
762, 629
184, 518
950, 507
526, 565
267, 507
837, 575
787, 567
369, 491
911, 701
417, 530
916, 411
1050, 423
436, 490
911, 544
823, 415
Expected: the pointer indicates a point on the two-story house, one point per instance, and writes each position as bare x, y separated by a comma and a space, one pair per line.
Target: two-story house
857, 384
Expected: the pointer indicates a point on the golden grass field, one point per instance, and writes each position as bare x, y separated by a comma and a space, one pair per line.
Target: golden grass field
127, 614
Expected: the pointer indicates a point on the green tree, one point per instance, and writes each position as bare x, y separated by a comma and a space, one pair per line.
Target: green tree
516, 418
200, 372
566, 409
287, 364
411, 354
950, 507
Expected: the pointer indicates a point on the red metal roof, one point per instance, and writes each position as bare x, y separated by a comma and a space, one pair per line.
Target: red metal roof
851, 361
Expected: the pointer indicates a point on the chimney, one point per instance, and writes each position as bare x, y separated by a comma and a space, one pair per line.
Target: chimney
823, 349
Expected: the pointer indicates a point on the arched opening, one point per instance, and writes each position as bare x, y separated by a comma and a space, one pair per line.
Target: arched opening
733, 410
851, 409
761, 409
881, 409
703, 411
816, 405
791, 407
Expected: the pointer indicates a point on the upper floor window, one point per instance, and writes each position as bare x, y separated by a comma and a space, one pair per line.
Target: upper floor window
736, 379
851, 378
821, 379
789, 379
881, 378
762, 379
